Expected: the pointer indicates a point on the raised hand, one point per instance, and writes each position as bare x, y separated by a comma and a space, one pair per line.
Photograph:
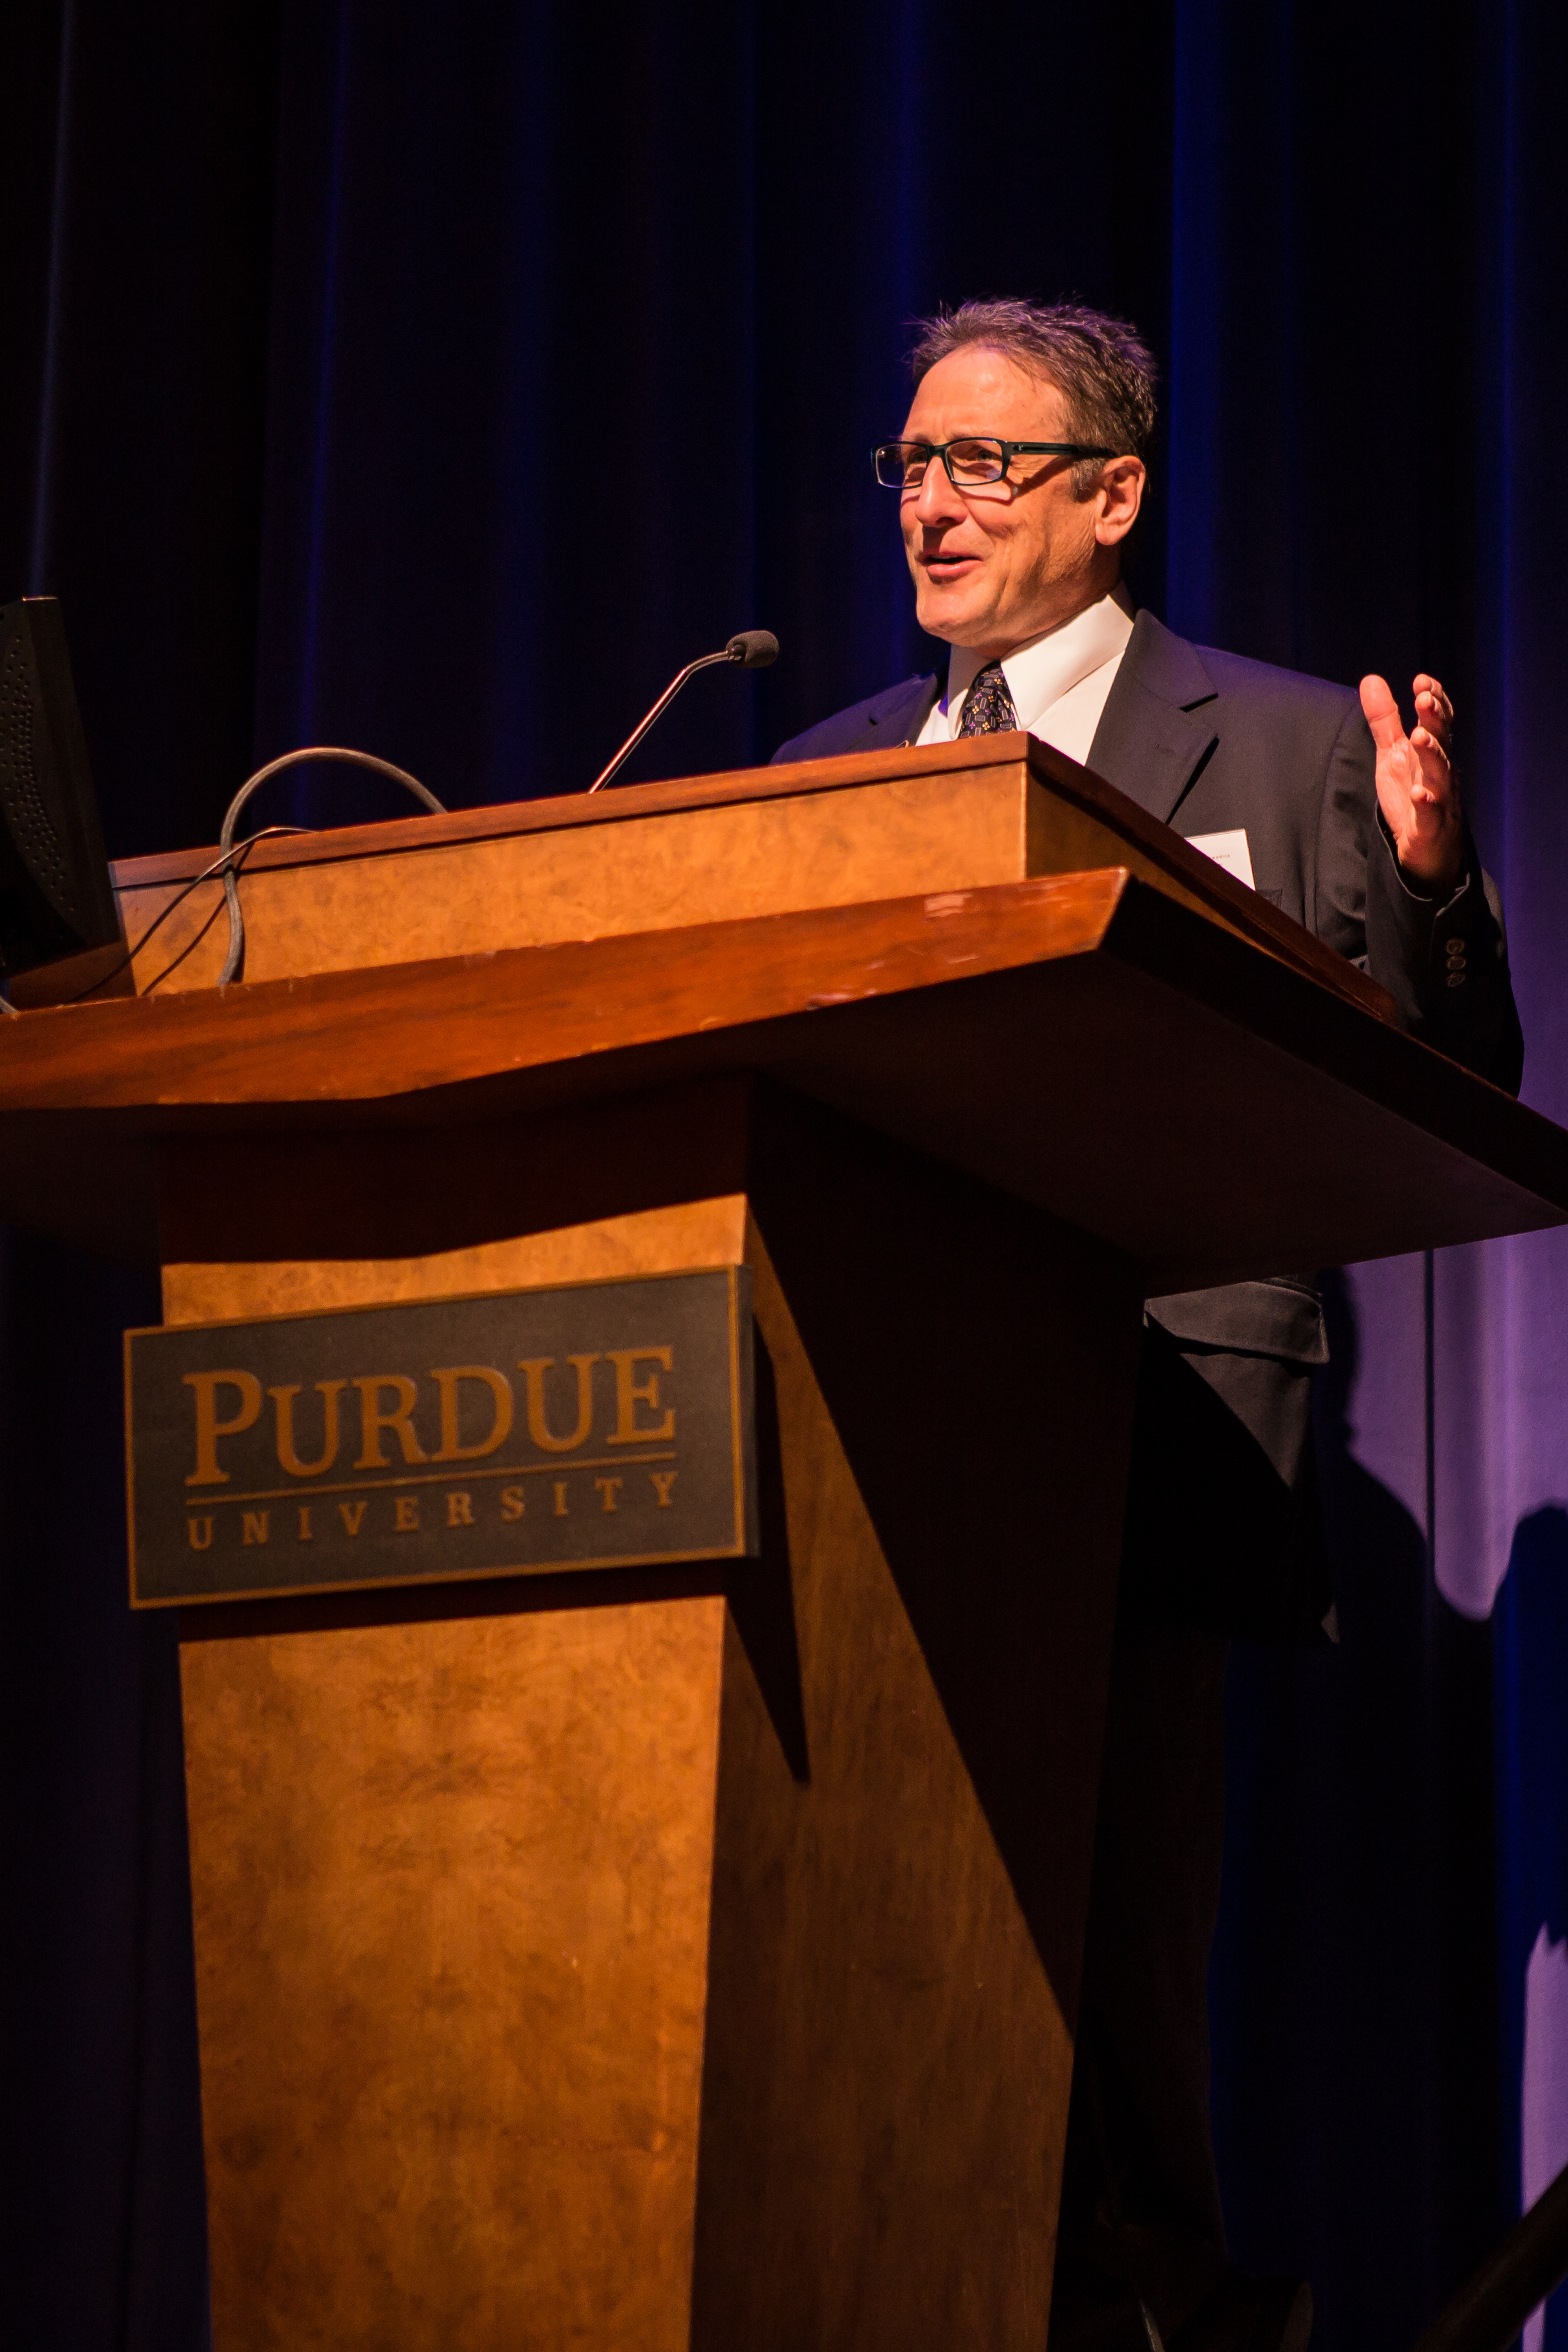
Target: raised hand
1416, 787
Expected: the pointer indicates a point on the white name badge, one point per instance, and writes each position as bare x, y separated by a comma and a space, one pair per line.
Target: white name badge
1226, 849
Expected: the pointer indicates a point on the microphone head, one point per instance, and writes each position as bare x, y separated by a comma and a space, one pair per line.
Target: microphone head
754, 648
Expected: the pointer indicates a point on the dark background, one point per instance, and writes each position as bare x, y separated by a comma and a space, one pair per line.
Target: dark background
438, 380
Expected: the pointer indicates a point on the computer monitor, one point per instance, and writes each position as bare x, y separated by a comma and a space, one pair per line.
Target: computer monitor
57, 900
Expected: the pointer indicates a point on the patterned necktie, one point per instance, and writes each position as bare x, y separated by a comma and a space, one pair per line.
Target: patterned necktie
988, 708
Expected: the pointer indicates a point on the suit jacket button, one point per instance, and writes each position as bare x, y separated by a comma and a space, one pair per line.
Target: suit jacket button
1456, 980
1455, 947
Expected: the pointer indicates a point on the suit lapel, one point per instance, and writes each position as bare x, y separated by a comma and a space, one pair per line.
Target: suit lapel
1160, 719
897, 716
1158, 724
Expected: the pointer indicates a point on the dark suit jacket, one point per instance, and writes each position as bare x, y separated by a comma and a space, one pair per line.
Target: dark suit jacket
1207, 742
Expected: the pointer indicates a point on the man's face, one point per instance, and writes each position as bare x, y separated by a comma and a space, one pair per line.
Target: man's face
995, 566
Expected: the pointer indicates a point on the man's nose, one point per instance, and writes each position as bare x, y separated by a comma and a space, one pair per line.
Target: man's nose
938, 502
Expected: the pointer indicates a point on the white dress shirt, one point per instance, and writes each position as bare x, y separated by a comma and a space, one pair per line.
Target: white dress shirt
1058, 684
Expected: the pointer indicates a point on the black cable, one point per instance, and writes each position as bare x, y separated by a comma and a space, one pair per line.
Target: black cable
228, 857
230, 861
234, 962
197, 935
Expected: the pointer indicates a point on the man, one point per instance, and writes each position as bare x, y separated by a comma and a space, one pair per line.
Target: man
1018, 475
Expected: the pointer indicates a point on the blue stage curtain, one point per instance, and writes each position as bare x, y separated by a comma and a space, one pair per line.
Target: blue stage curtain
1365, 472
439, 381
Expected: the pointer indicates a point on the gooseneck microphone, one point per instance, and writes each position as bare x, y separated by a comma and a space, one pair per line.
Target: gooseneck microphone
753, 649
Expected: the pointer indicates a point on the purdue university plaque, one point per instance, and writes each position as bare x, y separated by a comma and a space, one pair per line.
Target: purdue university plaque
604, 1424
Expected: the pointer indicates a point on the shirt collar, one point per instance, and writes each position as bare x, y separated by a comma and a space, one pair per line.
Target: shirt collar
1040, 674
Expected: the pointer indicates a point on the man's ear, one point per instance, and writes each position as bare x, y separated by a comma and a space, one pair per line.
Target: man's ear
1120, 494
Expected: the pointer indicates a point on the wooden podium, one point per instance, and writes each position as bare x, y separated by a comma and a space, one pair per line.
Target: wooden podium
689, 1957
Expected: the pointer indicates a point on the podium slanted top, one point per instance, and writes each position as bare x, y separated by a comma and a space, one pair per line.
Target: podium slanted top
1137, 1046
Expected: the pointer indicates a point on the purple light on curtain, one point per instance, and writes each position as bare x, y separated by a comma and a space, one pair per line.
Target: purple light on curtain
1502, 1311
1498, 1473
1457, 1412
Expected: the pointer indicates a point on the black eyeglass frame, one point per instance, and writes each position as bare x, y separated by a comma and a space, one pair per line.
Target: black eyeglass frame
1009, 450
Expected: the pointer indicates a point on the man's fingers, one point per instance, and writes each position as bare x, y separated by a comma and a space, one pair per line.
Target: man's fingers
1433, 709
1431, 726
1415, 784
1415, 789
1382, 712
1431, 737
1435, 774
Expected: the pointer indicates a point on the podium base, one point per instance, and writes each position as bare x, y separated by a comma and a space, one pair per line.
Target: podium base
687, 1957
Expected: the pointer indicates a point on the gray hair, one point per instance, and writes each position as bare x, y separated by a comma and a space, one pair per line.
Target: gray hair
1102, 366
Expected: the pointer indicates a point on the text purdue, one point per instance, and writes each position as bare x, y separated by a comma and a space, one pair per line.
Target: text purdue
469, 1410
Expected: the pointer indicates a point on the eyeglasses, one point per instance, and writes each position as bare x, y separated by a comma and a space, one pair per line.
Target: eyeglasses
901, 465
